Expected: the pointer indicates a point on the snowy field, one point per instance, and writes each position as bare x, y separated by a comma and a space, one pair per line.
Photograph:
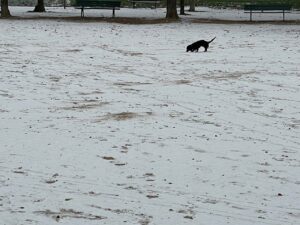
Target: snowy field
107, 123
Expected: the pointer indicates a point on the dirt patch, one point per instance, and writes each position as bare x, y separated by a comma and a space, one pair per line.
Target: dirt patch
90, 93
123, 116
183, 82
20, 172
143, 219
72, 50
88, 104
130, 83
6, 95
128, 53
152, 196
108, 158
228, 76
117, 211
69, 213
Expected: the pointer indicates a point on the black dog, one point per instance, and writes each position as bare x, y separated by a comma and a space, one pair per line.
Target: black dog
195, 46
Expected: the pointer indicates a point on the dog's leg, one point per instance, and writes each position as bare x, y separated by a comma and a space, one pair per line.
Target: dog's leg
206, 47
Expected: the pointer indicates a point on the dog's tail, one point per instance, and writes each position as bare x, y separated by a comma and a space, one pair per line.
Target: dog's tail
212, 40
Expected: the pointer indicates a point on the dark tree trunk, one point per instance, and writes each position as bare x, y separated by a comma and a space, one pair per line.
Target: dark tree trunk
171, 10
181, 7
40, 7
4, 9
192, 6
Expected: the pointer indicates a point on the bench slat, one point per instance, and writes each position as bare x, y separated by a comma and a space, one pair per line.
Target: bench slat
155, 2
265, 7
96, 3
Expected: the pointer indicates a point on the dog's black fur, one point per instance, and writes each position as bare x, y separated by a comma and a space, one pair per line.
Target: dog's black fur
196, 45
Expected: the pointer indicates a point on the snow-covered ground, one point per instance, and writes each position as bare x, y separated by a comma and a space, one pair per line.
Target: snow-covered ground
106, 123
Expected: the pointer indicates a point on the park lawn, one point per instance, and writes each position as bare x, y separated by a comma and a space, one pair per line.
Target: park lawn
107, 123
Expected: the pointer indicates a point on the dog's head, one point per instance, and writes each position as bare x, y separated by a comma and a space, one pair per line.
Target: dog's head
188, 48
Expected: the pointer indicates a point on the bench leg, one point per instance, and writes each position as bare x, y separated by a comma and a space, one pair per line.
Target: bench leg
82, 13
250, 15
113, 15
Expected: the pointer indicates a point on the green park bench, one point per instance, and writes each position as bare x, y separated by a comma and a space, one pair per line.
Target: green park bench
98, 4
154, 2
267, 8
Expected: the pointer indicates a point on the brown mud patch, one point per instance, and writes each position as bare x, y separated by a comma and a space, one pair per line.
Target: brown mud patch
122, 116
84, 105
127, 83
69, 213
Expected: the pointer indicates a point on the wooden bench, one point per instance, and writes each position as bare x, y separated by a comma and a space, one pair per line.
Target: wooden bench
98, 4
267, 8
155, 2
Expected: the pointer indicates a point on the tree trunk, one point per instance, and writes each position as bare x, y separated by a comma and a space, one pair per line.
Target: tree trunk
40, 7
181, 7
192, 6
171, 10
4, 9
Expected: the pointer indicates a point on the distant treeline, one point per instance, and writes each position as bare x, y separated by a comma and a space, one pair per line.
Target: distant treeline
212, 3
33, 2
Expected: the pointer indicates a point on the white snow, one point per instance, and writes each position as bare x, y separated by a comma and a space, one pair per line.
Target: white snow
107, 123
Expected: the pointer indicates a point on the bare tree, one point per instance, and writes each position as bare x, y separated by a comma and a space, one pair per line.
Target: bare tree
171, 10
192, 6
4, 9
40, 7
